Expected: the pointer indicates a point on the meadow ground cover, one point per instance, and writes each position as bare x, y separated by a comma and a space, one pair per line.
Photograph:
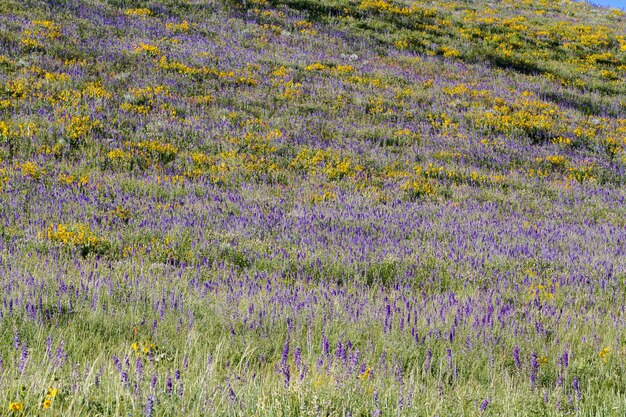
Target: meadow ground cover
315, 208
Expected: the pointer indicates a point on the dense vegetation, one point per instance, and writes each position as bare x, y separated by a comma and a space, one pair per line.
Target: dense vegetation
316, 208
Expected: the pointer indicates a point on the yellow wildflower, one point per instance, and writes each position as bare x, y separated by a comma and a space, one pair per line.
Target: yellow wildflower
138, 12
16, 407
52, 392
365, 375
604, 354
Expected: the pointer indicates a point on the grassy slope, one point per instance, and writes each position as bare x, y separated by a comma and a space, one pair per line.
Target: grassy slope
405, 194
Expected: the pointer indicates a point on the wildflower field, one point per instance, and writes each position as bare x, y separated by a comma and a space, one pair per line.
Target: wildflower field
312, 208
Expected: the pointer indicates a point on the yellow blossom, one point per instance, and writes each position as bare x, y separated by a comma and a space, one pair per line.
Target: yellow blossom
365, 375
16, 407
604, 354
52, 392
137, 12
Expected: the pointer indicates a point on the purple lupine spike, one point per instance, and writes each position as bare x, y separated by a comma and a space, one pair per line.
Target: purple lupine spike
534, 367
177, 375
23, 357
231, 393
565, 358
48, 347
185, 362
98, 376
355, 359
16, 341
577, 388
153, 382
518, 363
61, 356
287, 375
117, 363
298, 358
124, 378
325, 344
285, 356
484, 406
149, 410
339, 349
139, 367
168, 384
387, 316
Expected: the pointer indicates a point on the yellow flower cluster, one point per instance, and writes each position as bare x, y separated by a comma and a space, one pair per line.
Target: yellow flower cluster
79, 127
305, 27
173, 179
145, 153
71, 179
441, 122
9, 130
76, 235
183, 26
16, 407
530, 116
148, 49
554, 161
118, 155
257, 144
32, 170
449, 52
146, 99
316, 67
418, 187
544, 292
339, 69
143, 348
327, 162
327, 195
178, 67
163, 150
581, 174
385, 6
50, 395
204, 71
604, 354
456, 90
4, 177
41, 31
96, 90
138, 12
366, 80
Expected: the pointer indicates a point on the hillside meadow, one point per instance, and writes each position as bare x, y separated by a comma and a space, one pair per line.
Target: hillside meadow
312, 208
